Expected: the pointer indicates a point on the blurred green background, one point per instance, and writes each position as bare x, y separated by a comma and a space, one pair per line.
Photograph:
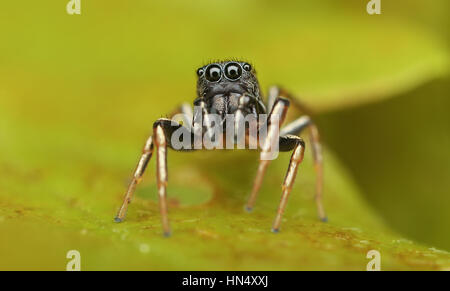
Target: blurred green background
79, 94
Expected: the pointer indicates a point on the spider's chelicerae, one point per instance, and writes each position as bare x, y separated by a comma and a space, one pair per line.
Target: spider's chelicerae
223, 89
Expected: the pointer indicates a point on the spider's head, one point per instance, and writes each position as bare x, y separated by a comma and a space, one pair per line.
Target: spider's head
227, 77
222, 83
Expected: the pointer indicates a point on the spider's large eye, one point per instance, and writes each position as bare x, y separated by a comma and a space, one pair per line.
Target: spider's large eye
247, 67
233, 71
213, 73
200, 72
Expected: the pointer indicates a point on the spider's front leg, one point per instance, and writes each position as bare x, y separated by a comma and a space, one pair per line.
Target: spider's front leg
289, 142
161, 138
279, 111
285, 143
162, 131
147, 152
295, 128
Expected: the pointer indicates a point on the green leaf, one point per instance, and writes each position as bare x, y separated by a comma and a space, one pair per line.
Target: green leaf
331, 55
397, 151
59, 194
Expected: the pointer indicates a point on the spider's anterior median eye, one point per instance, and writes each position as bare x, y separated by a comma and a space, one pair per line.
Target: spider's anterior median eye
213, 73
247, 67
200, 72
233, 71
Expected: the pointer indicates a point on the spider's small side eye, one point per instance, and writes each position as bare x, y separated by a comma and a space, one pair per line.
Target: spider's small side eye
200, 72
247, 67
213, 73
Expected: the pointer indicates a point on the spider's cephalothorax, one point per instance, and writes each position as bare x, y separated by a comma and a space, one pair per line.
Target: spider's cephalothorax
221, 84
224, 88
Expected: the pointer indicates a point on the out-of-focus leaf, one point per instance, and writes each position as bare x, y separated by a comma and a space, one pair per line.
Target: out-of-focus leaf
397, 151
143, 51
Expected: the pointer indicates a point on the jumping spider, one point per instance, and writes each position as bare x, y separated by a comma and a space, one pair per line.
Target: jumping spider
231, 87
